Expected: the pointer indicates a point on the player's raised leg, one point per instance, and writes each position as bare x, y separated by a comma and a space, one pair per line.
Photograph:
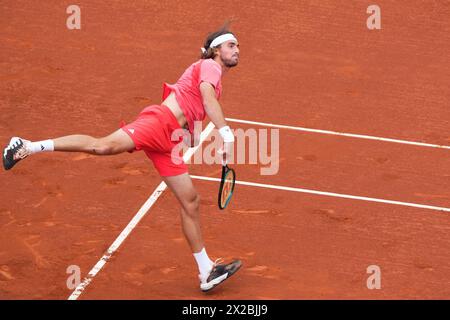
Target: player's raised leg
211, 273
19, 148
115, 143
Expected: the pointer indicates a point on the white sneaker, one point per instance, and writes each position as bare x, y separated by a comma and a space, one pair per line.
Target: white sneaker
218, 274
16, 150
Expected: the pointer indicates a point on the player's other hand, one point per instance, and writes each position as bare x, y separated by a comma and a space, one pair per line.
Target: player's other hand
226, 151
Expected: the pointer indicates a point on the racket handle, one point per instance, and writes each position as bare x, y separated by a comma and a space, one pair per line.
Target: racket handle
224, 158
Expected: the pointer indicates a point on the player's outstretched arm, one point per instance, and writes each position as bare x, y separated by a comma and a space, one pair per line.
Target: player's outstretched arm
212, 106
215, 113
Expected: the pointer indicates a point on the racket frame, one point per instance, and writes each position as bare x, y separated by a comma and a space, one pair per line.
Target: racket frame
225, 172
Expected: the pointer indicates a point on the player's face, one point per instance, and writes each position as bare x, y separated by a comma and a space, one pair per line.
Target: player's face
229, 53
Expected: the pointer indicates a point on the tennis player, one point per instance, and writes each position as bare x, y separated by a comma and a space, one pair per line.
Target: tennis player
190, 99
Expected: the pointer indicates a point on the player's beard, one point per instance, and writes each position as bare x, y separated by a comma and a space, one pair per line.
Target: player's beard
230, 63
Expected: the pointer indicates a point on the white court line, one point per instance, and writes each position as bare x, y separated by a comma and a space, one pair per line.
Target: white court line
351, 135
330, 194
136, 219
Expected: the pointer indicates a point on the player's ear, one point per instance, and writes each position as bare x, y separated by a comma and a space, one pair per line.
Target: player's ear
216, 51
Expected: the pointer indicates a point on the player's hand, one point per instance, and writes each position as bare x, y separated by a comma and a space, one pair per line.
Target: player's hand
226, 151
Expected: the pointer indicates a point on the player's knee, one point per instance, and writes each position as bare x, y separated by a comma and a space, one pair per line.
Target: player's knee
193, 205
196, 202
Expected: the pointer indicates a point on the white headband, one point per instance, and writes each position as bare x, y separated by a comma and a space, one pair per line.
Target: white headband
219, 40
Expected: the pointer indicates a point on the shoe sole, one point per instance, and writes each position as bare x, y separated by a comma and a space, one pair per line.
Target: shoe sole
7, 165
214, 283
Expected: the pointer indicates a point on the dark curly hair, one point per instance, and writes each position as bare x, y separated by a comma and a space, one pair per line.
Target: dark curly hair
209, 53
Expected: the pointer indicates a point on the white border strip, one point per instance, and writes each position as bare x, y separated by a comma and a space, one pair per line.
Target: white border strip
330, 194
132, 224
351, 135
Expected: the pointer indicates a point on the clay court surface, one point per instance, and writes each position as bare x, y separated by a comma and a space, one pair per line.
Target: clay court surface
303, 63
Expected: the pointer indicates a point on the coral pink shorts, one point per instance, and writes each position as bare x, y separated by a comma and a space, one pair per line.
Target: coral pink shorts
152, 132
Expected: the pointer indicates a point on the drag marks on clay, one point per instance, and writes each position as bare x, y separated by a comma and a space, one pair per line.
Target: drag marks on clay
145, 100
44, 70
178, 240
251, 211
128, 170
116, 181
381, 160
257, 212
141, 273
88, 252
49, 224
423, 265
263, 271
37, 205
119, 165
5, 273
6, 218
168, 270
131, 170
141, 269
135, 171
137, 275
330, 214
257, 268
31, 242
96, 209
52, 191
307, 157
86, 248
378, 160
15, 267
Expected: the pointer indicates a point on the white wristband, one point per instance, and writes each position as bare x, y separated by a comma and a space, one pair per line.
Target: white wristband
226, 134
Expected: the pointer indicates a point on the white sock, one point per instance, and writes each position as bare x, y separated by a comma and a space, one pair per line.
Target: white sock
203, 261
42, 146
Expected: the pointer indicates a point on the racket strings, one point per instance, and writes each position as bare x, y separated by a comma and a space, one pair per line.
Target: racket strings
227, 188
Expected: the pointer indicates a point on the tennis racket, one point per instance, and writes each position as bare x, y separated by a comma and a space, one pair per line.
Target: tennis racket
226, 186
